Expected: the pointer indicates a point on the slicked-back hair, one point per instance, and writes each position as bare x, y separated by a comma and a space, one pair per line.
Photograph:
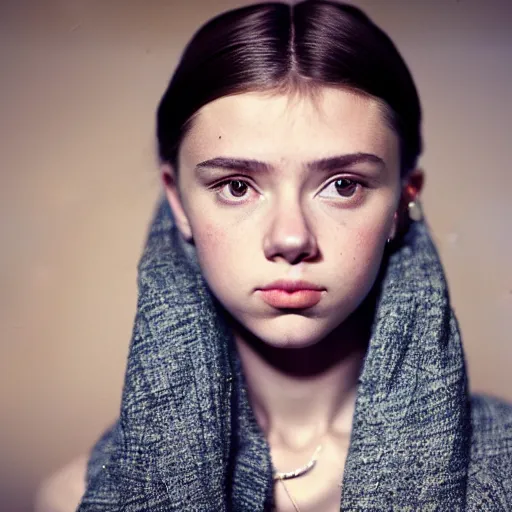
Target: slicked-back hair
290, 48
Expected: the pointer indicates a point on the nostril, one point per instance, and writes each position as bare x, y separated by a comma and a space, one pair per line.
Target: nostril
300, 258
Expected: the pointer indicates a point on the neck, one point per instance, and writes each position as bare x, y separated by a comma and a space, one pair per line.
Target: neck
301, 395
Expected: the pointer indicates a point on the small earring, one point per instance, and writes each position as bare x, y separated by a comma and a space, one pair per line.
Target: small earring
415, 211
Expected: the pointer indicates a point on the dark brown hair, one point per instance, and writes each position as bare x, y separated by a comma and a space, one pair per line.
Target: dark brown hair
276, 46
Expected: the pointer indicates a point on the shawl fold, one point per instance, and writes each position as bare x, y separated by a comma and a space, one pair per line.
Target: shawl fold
187, 439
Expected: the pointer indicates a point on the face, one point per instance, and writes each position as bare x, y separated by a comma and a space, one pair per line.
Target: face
289, 202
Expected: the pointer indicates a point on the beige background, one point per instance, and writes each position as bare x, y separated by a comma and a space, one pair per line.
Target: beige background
79, 84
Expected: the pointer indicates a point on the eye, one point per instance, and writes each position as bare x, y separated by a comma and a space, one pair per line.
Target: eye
234, 191
341, 187
345, 188
237, 188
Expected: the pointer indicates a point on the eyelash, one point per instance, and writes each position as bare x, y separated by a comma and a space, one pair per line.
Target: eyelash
219, 186
358, 185
233, 200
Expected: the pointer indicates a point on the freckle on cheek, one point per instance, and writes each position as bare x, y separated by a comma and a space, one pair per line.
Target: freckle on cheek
366, 243
367, 238
211, 237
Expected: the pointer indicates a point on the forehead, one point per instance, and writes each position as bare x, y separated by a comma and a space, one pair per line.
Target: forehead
290, 128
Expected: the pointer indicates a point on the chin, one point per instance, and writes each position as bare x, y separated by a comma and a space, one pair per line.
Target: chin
290, 342
291, 331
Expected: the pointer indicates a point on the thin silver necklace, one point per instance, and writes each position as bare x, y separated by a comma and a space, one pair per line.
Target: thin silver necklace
287, 475
281, 476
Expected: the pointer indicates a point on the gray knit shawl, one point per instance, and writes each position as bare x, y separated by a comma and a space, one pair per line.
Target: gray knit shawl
187, 440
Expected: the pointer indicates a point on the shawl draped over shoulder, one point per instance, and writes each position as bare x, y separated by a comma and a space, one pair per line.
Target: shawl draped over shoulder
187, 440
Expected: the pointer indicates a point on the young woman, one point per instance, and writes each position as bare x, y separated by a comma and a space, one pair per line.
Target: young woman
294, 347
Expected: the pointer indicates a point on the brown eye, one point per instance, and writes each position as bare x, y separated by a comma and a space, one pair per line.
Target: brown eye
345, 187
237, 188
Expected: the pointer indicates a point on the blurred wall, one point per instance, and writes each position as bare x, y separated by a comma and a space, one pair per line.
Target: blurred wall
80, 80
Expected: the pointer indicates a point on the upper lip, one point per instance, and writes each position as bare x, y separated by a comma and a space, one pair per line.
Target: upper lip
292, 286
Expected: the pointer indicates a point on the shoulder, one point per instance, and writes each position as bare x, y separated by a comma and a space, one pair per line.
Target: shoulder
489, 484
491, 422
62, 491
491, 416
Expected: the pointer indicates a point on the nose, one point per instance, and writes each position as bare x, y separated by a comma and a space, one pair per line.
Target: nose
289, 236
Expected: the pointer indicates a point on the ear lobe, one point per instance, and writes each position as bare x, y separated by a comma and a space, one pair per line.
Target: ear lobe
170, 182
412, 186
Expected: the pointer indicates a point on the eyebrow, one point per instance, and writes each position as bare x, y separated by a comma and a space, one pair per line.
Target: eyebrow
330, 164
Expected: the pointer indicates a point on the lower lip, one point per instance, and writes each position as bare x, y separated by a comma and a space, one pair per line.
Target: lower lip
298, 299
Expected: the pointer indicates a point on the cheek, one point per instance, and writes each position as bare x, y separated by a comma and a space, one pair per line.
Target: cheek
218, 251
369, 243
210, 242
361, 256
208, 237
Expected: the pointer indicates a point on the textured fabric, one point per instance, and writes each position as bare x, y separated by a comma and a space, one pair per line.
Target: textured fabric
187, 439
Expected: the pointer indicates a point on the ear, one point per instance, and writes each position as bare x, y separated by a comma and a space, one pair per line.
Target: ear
170, 182
412, 186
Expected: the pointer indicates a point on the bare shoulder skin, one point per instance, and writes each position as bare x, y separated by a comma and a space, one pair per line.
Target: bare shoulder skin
63, 490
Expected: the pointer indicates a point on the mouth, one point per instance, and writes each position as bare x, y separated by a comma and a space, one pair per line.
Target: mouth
291, 294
